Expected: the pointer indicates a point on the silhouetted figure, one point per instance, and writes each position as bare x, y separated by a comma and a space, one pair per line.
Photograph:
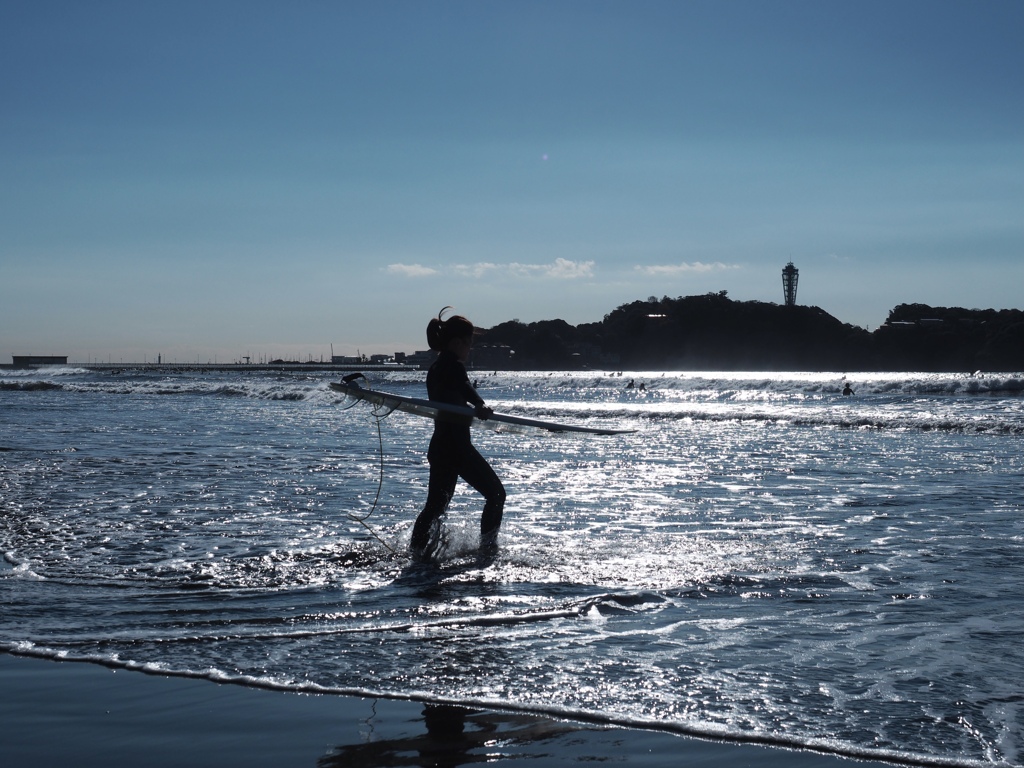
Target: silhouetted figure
847, 390
451, 454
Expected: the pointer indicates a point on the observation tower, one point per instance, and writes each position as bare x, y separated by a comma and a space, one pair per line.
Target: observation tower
790, 276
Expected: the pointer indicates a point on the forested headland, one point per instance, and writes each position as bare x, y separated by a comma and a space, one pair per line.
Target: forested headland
713, 332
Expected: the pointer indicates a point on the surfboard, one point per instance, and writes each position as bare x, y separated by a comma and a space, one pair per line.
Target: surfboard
433, 409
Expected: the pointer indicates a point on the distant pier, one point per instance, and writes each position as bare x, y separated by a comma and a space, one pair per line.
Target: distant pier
238, 367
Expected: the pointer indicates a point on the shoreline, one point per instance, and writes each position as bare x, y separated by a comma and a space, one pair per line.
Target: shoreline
87, 714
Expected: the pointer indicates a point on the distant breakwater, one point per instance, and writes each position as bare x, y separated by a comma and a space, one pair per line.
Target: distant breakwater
115, 368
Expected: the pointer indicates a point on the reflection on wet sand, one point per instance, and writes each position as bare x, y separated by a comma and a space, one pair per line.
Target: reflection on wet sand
454, 736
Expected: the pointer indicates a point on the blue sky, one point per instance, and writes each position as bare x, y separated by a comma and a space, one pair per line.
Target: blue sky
208, 180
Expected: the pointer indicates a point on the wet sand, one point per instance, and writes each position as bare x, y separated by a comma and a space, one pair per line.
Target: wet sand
65, 713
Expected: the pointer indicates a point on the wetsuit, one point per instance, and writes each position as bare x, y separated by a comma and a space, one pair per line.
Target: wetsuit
452, 455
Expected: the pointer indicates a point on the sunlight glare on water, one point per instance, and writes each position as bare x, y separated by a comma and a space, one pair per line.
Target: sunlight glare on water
762, 558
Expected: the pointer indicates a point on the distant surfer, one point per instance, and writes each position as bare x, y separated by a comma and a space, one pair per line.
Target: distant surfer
451, 454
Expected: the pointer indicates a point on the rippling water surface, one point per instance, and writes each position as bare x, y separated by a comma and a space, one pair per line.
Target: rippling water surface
762, 559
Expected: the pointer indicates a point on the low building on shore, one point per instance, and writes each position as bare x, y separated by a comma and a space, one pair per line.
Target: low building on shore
34, 361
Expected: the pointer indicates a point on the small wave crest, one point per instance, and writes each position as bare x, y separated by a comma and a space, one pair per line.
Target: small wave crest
29, 386
858, 418
717, 384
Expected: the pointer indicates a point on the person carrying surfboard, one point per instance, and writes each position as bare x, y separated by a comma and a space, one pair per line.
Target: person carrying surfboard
451, 454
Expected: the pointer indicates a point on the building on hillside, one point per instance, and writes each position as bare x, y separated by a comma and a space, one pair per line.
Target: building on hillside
421, 358
496, 357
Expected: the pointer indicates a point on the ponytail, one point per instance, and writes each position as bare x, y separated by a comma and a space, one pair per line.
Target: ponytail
441, 331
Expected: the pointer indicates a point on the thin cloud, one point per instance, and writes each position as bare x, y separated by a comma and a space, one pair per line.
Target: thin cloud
478, 270
560, 269
698, 267
411, 270
571, 270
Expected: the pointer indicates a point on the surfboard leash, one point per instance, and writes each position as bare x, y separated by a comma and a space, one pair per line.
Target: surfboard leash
380, 484
380, 479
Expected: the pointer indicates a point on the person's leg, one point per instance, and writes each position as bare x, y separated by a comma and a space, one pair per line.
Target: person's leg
440, 488
478, 473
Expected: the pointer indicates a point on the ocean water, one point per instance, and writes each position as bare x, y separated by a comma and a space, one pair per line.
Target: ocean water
763, 559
